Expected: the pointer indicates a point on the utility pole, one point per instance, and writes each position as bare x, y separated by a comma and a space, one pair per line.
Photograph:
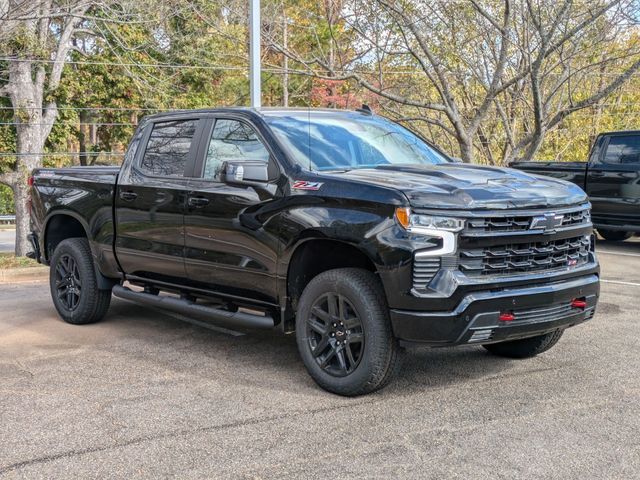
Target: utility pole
254, 54
285, 62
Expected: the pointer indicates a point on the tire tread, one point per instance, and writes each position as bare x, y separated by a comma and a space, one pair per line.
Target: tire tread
95, 306
387, 359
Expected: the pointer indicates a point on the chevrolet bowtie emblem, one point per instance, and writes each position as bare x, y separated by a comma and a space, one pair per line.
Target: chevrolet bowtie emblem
547, 222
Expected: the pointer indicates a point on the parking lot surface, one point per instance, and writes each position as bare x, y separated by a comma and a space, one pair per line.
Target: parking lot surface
146, 394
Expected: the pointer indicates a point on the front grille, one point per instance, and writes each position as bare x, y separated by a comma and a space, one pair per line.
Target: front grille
424, 269
544, 314
498, 224
578, 217
548, 313
519, 258
505, 224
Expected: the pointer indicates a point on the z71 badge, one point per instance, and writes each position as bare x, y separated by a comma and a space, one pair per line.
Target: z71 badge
303, 185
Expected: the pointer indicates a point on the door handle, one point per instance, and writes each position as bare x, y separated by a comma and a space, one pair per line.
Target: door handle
128, 196
597, 174
198, 202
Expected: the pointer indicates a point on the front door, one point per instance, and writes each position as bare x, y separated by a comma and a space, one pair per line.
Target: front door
229, 247
613, 182
150, 202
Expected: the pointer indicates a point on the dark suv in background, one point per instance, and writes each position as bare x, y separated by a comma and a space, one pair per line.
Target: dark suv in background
611, 178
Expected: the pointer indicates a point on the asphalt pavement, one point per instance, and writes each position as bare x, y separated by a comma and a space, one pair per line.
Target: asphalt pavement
146, 394
7, 240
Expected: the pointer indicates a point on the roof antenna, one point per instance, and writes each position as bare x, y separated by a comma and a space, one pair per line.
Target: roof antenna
365, 109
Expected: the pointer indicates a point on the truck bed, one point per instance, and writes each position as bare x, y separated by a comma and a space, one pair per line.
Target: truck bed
84, 193
574, 172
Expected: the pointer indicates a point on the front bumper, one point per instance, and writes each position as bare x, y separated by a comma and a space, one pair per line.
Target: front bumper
537, 309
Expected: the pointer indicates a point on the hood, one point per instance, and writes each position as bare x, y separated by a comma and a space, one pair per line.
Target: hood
463, 186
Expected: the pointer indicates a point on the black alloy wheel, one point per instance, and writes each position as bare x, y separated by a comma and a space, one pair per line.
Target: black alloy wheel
344, 334
335, 334
68, 283
74, 284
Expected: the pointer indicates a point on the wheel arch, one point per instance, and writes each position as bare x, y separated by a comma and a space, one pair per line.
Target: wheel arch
314, 255
62, 225
59, 226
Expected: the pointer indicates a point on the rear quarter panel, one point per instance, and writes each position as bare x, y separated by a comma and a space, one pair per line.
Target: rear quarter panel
87, 196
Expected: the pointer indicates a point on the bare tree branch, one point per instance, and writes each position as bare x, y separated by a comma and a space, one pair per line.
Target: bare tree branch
8, 179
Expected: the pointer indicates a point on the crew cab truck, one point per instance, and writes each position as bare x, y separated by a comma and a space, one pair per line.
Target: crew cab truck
340, 226
611, 178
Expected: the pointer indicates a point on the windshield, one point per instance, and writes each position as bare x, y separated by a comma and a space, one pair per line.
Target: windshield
345, 141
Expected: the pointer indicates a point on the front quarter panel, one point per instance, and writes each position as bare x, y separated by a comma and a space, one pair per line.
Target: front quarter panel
361, 216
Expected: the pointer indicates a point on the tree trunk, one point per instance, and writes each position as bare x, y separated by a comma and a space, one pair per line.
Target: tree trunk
82, 141
29, 141
27, 99
466, 150
23, 223
534, 146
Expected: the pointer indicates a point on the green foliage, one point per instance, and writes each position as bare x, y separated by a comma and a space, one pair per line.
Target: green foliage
170, 60
6, 201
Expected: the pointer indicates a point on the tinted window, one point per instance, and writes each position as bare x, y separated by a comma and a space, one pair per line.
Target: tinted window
623, 150
168, 148
234, 141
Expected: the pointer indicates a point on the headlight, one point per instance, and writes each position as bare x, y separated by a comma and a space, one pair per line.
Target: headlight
410, 220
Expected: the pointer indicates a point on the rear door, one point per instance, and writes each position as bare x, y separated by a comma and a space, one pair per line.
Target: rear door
613, 181
150, 201
229, 248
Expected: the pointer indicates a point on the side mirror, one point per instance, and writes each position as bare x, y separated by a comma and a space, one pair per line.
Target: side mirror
246, 172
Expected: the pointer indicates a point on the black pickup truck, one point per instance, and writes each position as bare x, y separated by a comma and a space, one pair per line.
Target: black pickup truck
340, 226
611, 178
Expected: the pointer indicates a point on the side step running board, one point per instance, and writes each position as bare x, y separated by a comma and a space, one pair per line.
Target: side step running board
221, 317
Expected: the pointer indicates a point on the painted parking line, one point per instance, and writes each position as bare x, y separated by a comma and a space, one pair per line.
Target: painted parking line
619, 282
622, 254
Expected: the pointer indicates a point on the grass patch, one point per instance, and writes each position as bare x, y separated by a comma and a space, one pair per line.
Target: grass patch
8, 260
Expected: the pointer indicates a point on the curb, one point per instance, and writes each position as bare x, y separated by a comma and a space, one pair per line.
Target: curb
22, 274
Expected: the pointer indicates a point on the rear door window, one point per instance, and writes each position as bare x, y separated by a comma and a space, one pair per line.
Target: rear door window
623, 150
168, 148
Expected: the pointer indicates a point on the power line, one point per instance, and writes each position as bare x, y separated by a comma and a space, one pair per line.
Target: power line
274, 70
121, 64
109, 124
55, 154
110, 109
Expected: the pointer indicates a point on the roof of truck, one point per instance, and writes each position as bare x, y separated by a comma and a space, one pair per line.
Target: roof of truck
268, 111
621, 132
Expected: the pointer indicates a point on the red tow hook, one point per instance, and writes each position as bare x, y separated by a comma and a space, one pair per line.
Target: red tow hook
507, 317
578, 303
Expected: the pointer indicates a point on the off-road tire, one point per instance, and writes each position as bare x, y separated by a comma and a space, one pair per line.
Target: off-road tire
380, 353
615, 235
527, 347
89, 303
